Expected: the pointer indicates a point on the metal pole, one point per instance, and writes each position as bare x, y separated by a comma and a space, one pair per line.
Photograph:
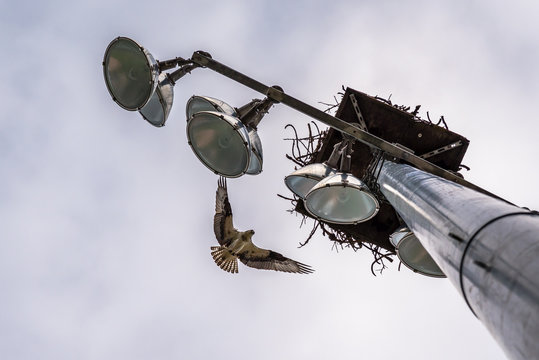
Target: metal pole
488, 249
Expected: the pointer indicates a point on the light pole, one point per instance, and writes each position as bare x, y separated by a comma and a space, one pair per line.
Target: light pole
487, 247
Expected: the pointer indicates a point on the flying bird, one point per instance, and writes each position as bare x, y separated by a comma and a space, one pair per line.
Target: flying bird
234, 244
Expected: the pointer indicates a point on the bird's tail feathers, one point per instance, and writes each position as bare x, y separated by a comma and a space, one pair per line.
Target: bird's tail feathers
224, 259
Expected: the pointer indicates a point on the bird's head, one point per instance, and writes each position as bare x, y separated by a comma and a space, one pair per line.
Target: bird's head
251, 232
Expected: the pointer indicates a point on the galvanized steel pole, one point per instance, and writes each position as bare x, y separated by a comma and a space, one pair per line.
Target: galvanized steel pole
488, 249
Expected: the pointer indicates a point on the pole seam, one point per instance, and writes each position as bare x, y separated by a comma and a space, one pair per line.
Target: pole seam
472, 238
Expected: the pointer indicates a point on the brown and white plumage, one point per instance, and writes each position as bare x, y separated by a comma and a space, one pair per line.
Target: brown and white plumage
236, 244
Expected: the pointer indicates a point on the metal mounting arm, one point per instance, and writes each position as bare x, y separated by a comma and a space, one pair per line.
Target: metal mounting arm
172, 63
205, 60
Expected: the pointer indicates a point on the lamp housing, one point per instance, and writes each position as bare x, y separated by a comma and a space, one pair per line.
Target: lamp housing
220, 141
341, 199
158, 107
413, 255
232, 162
255, 157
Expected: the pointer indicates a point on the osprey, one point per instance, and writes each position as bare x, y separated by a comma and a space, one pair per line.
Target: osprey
236, 244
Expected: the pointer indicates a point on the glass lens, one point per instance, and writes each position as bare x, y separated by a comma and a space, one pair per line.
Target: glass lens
128, 74
338, 204
218, 144
414, 255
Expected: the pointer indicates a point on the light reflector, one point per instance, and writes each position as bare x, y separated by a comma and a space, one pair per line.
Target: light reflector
157, 109
255, 156
413, 255
341, 199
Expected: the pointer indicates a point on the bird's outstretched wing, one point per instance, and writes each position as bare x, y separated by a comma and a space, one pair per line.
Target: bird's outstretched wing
258, 258
222, 220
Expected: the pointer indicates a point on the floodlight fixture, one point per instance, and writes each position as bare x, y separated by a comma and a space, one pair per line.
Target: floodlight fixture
341, 199
229, 145
331, 193
413, 255
301, 181
220, 141
137, 82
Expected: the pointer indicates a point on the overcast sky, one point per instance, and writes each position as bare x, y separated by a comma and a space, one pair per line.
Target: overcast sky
106, 221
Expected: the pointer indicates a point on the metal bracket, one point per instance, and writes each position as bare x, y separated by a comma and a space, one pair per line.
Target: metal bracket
342, 150
172, 63
252, 113
360, 118
335, 154
363, 136
441, 150
181, 72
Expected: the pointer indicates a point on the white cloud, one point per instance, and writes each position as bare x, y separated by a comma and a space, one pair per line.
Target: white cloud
104, 243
